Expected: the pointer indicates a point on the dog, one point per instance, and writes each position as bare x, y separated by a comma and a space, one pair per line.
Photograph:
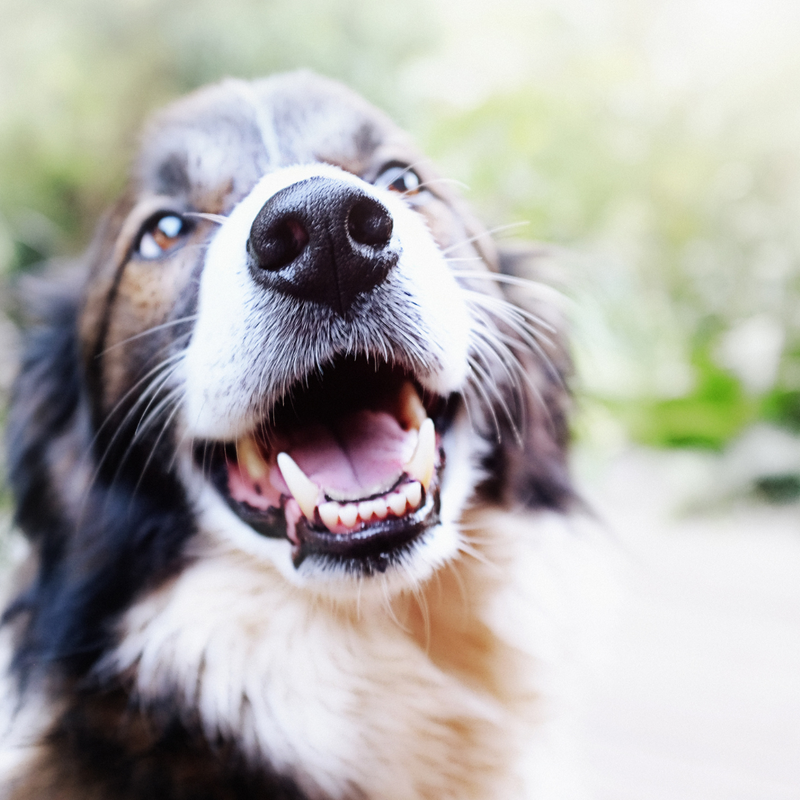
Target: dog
291, 459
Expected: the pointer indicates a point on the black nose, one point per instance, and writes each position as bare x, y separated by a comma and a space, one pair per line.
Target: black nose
322, 240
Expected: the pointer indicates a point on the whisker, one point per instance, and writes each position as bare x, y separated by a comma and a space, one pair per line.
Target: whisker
168, 366
483, 235
529, 334
477, 385
509, 308
492, 389
422, 602
470, 259
153, 412
453, 568
143, 423
517, 375
178, 447
466, 547
532, 286
218, 218
486, 348
153, 449
148, 395
433, 181
150, 373
150, 331
507, 349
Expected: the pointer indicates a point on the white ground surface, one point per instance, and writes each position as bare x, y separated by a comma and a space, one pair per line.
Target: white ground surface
702, 700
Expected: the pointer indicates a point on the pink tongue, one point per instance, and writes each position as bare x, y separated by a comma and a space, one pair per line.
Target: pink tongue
355, 455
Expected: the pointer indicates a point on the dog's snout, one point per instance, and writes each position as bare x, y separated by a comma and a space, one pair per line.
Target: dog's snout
322, 240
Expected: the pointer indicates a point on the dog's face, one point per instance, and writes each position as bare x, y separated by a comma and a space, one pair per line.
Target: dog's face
292, 369
291, 320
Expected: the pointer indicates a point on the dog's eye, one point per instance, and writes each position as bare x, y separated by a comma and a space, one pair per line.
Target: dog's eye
398, 178
162, 234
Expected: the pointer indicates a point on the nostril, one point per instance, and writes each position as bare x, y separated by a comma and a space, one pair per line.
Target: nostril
370, 223
277, 245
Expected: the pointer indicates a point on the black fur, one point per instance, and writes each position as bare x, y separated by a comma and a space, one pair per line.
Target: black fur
527, 465
107, 749
93, 561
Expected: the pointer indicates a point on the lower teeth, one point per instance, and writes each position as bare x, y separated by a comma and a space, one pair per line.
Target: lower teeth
333, 514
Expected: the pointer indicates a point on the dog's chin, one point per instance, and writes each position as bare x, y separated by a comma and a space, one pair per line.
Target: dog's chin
339, 482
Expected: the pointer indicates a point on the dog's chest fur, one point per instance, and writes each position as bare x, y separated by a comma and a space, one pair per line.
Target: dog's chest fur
442, 695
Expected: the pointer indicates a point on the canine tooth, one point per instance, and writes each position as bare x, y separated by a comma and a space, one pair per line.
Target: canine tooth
329, 514
379, 508
397, 502
365, 509
420, 467
348, 514
303, 489
413, 493
412, 412
248, 453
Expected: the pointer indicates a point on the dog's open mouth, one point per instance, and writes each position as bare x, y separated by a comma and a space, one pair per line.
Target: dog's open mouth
347, 467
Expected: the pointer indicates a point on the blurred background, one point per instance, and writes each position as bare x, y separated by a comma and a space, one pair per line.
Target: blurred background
656, 145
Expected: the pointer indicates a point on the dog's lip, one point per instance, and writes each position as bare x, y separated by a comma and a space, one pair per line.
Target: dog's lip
373, 546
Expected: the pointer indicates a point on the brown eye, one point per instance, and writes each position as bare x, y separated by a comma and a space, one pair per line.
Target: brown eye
399, 178
162, 234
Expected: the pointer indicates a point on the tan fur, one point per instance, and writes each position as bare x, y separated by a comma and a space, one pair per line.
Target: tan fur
442, 688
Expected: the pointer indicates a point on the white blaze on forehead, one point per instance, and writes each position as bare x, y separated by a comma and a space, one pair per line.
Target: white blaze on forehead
262, 116
224, 366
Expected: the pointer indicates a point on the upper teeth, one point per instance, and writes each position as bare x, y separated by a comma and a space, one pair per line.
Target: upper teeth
419, 468
248, 453
412, 412
303, 489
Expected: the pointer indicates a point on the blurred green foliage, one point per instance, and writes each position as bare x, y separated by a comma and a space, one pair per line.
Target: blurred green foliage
78, 76
655, 144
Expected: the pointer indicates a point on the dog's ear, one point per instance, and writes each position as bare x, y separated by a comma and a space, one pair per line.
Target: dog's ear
529, 393
96, 539
45, 401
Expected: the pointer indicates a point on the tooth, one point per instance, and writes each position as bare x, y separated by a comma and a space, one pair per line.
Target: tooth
420, 467
348, 514
397, 502
413, 493
412, 412
250, 457
365, 509
303, 489
379, 508
329, 514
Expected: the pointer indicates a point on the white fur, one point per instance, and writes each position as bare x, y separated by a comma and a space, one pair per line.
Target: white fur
23, 719
344, 696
